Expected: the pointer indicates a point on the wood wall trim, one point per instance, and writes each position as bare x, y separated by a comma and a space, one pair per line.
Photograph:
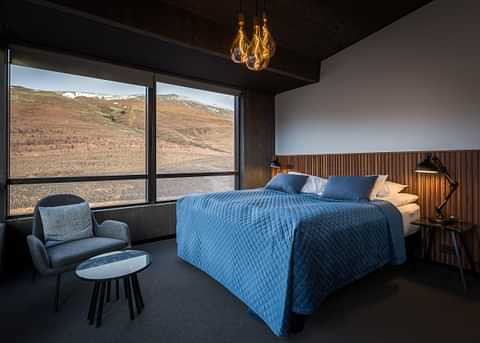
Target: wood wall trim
431, 189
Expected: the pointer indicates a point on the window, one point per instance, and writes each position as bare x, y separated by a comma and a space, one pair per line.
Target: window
195, 135
66, 126
98, 193
70, 125
85, 127
172, 188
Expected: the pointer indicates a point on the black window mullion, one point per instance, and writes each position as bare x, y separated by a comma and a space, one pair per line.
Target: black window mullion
152, 143
236, 143
4, 84
72, 179
196, 174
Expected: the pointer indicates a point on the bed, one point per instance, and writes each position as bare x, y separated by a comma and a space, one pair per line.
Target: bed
283, 254
409, 213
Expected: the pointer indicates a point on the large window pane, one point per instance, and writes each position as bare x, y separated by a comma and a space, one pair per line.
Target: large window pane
195, 130
68, 125
99, 194
169, 189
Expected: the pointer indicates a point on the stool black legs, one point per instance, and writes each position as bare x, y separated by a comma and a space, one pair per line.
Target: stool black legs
136, 287
93, 303
100, 305
128, 290
136, 292
133, 294
101, 294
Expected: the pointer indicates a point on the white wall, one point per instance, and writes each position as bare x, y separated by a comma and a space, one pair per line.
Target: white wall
414, 85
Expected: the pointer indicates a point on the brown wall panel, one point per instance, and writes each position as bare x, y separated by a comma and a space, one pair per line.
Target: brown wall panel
257, 122
400, 166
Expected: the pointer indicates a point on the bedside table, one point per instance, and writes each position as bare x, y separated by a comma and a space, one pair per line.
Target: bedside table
456, 232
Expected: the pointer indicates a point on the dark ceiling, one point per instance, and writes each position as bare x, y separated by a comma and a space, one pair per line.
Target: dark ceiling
312, 28
188, 31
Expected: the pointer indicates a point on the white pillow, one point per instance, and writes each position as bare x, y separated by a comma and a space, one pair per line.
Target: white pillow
314, 184
391, 188
400, 199
378, 186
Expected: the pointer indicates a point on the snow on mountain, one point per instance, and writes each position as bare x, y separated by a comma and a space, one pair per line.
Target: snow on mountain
73, 95
165, 97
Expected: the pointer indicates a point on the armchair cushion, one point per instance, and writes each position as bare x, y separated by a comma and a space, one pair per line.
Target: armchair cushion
66, 223
74, 252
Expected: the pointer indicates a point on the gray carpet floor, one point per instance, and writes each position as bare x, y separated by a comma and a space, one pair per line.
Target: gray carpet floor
401, 304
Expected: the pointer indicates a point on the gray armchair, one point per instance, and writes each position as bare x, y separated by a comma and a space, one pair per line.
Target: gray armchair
55, 260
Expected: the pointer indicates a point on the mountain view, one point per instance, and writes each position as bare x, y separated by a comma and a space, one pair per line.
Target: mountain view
74, 133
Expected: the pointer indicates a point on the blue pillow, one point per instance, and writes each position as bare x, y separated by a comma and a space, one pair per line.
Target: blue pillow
62, 224
288, 183
351, 188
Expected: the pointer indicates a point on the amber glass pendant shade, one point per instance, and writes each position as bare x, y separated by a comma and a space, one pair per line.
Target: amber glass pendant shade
255, 54
238, 51
268, 43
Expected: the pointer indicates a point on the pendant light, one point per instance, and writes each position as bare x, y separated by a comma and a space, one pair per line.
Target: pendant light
268, 42
255, 54
238, 51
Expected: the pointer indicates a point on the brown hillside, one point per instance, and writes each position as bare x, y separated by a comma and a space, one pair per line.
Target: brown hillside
56, 135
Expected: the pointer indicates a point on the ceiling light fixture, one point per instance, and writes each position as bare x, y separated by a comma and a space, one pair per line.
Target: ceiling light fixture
268, 43
257, 52
238, 51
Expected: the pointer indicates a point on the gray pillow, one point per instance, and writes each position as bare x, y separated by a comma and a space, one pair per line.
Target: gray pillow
66, 223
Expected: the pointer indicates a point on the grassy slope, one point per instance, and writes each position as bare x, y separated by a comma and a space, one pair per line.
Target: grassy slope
55, 135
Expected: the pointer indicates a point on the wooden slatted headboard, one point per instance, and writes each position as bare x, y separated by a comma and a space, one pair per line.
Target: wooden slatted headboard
400, 166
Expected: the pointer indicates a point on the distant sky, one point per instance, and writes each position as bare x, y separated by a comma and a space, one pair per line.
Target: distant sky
205, 97
54, 81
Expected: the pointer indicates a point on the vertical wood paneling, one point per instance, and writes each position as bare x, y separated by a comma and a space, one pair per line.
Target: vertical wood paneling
400, 166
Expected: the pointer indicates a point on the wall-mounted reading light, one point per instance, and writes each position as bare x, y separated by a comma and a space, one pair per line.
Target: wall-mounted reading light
275, 165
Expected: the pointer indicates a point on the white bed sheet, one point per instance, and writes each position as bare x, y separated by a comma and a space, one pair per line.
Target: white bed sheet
410, 213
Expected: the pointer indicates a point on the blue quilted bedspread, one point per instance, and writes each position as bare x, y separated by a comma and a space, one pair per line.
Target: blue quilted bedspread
284, 253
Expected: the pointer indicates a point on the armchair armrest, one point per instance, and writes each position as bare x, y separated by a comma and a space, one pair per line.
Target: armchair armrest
114, 229
40, 258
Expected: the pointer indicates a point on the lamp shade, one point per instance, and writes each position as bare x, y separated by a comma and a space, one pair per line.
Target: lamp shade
275, 163
428, 166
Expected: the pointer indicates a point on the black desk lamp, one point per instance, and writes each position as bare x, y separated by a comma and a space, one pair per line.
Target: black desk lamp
432, 165
275, 165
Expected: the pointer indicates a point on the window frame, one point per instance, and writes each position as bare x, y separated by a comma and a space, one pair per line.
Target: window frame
211, 88
151, 176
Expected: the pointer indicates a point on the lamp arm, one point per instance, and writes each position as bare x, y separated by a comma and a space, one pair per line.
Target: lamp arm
453, 187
